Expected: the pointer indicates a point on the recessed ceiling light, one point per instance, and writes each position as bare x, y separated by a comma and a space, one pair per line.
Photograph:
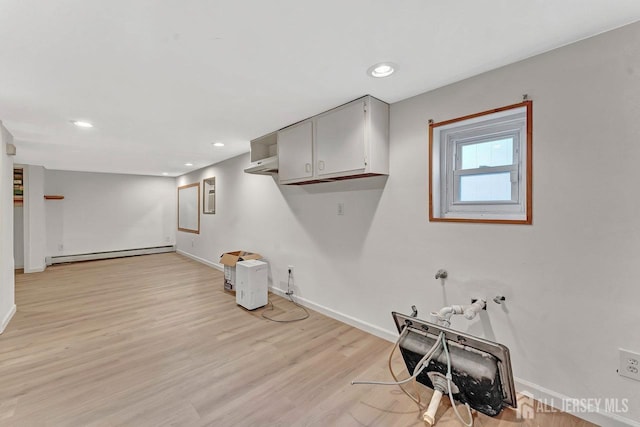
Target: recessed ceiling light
218, 144
382, 69
82, 124
188, 164
165, 173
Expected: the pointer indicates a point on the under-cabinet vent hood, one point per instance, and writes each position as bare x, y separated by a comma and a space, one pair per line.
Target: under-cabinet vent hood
264, 155
266, 166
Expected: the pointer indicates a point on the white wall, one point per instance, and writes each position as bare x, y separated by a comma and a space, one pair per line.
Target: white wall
34, 219
7, 299
106, 212
570, 279
18, 236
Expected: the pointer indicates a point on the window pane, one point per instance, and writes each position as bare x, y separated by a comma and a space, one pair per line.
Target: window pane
490, 153
485, 187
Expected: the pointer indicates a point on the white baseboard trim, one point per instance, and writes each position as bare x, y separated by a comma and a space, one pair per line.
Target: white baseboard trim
7, 318
546, 396
201, 260
344, 318
108, 255
38, 269
552, 398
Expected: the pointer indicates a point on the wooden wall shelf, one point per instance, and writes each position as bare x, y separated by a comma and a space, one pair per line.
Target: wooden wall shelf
53, 197
18, 186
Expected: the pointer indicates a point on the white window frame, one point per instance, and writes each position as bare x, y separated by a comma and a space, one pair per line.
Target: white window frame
445, 142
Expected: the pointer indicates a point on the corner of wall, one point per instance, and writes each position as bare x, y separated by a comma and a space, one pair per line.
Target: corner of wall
7, 278
7, 318
34, 219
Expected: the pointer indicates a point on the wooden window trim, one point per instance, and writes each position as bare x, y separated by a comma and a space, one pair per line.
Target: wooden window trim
189, 230
529, 165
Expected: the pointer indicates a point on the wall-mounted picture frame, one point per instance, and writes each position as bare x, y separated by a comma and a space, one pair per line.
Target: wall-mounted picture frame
209, 195
189, 208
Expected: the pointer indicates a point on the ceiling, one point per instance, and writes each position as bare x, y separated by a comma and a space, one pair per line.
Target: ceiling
162, 80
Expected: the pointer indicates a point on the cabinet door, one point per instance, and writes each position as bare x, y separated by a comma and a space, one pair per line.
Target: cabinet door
295, 155
340, 139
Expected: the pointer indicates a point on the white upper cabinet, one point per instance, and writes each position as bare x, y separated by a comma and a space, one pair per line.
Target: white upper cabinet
295, 155
348, 141
340, 140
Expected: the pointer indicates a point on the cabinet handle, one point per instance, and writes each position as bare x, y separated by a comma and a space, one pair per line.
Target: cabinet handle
321, 165
307, 167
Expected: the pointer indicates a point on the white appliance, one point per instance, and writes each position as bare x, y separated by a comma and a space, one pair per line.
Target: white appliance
251, 284
266, 166
264, 155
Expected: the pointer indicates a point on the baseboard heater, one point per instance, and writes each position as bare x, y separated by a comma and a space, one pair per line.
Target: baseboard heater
107, 255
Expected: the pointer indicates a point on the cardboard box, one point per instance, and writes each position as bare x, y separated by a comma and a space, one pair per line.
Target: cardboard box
229, 260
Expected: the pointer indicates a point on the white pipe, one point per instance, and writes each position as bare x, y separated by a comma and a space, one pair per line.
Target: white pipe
430, 415
443, 316
472, 310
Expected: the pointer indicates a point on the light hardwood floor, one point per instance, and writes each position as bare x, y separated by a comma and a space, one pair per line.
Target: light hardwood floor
154, 340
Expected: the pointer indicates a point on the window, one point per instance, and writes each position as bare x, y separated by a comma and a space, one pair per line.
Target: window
480, 167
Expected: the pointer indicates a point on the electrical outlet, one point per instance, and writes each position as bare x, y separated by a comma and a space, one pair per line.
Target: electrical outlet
340, 208
167, 239
193, 242
60, 247
629, 364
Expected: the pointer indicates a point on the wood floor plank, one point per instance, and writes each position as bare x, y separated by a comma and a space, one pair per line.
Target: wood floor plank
155, 340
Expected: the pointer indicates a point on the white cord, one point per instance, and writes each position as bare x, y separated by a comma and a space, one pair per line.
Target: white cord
453, 403
418, 369
290, 295
422, 364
